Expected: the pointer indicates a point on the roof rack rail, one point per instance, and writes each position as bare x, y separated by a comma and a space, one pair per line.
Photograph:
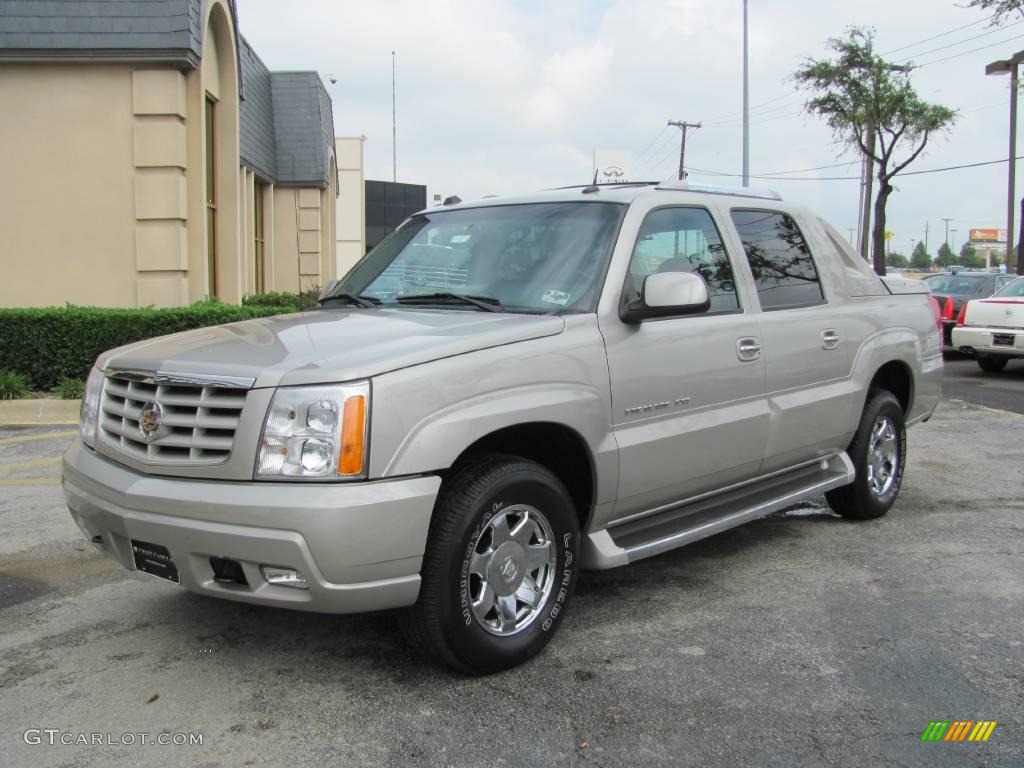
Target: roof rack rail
608, 185
714, 189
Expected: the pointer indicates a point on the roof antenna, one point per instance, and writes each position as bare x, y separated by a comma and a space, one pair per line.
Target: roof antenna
593, 186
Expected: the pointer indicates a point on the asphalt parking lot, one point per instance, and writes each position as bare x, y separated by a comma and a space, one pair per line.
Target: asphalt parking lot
799, 640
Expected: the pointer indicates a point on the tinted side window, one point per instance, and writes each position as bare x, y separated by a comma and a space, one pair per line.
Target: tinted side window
779, 260
683, 240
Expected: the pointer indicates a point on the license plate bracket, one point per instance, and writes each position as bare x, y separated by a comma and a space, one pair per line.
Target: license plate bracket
154, 560
1002, 339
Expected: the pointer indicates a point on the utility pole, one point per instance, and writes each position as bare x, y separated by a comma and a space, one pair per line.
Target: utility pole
682, 125
394, 125
869, 179
947, 231
746, 103
926, 237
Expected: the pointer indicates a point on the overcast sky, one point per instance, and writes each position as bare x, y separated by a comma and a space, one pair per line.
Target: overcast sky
503, 97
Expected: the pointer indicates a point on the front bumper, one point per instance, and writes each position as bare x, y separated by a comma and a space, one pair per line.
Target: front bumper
359, 545
978, 340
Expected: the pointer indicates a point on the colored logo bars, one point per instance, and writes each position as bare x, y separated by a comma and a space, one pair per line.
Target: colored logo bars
958, 730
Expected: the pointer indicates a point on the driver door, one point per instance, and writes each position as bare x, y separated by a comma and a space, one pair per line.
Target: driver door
688, 393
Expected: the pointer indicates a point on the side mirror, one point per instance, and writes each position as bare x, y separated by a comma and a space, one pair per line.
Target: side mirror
665, 294
326, 290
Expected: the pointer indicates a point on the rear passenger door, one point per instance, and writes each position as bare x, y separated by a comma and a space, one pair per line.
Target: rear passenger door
807, 358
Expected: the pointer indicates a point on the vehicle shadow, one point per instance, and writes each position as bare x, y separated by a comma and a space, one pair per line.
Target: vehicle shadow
294, 645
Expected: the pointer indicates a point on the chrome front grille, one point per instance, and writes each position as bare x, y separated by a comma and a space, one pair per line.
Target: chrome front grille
197, 423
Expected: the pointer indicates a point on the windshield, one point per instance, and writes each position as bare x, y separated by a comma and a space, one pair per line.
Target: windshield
538, 257
954, 283
1013, 288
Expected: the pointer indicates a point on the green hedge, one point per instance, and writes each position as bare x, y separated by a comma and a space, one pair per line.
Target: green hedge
53, 343
297, 301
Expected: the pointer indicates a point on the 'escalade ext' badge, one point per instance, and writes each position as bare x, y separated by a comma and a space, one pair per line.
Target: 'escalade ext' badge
150, 419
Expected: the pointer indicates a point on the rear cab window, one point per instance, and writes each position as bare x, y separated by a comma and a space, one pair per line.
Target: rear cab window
780, 259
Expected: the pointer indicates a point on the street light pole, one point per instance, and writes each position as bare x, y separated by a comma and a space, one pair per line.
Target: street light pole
746, 102
1012, 174
1003, 67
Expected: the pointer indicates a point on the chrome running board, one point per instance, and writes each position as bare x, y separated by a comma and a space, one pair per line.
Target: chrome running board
694, 520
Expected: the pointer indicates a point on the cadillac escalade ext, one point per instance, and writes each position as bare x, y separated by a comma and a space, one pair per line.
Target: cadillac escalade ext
501, 394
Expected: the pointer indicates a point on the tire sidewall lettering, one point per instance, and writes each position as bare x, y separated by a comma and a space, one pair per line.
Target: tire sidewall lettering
564, 573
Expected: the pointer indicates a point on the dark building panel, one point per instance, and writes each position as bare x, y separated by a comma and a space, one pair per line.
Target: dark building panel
388, 204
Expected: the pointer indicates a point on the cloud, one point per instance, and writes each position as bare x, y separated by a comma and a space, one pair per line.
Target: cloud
505, 97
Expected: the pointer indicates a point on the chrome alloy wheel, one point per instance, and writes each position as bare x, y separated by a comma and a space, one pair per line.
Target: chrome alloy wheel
883, 456
512, 570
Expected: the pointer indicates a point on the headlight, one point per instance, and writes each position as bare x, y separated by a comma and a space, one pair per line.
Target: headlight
89, 412
315, 432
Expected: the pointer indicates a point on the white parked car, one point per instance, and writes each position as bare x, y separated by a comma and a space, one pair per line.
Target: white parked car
993, 328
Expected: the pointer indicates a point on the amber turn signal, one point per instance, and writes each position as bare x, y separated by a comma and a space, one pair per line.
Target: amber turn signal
353, 435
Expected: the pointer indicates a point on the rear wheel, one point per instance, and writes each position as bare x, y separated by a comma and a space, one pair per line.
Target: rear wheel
499, 569
992, 364
878, 451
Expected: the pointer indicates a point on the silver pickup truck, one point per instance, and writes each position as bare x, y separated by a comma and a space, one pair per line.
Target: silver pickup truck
501, 394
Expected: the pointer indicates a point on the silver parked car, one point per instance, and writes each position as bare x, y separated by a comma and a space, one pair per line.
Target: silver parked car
503, 393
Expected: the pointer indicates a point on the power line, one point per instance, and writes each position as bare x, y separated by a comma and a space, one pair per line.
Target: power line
965, 40
965, 53
941, 34
657, 164
755, 107
650, 144
807, 170
736, 121
854, 178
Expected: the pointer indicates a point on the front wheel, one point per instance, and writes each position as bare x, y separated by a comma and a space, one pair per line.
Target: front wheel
992, 364
500, 566
878, 451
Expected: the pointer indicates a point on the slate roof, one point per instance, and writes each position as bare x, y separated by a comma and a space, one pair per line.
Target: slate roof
143, 29
303, 127
286, 126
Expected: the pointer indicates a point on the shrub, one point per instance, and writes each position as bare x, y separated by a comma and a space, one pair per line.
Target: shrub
69, 389
53, 343
303, 300
12, 385
272, 299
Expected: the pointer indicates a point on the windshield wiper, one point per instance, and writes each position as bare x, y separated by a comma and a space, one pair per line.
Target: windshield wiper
360, 301
487, 303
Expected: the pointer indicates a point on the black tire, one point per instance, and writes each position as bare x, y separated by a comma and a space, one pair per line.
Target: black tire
443, 625
860, 500
992, 364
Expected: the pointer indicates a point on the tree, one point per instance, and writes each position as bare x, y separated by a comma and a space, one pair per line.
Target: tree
897, 260
946, 257
858, 93
920, 260
969, 256
1002, 8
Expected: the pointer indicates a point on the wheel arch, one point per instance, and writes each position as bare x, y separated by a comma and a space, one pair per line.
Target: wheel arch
553, 445
896, 377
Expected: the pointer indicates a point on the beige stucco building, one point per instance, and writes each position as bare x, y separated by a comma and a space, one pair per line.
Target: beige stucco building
151, 158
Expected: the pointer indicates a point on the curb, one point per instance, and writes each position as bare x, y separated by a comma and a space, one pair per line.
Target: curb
48, 411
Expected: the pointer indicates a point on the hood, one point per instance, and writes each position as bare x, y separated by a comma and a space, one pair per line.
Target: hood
329, 345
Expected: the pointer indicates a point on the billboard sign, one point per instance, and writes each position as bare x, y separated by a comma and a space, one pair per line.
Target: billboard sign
988, 235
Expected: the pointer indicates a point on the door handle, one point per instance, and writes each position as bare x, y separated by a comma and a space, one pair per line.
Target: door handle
829, 338
748, 349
